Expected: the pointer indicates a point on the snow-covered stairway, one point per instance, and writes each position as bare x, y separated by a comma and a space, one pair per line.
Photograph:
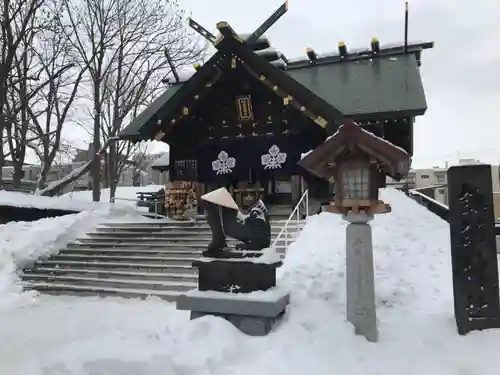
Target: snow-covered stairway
131, 260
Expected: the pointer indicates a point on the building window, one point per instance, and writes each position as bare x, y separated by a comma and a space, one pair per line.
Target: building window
356, 183
424, 176
440, 177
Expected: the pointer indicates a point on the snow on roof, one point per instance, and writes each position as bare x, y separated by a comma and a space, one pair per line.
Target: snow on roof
414, 299
357, 49
267, 51
185, 75
162, 161
66, 180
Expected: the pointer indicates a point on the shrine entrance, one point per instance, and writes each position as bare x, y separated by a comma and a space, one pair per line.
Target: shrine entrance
247, 193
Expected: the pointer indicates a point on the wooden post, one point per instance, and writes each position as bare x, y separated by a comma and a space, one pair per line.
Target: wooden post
200, 190
296, 189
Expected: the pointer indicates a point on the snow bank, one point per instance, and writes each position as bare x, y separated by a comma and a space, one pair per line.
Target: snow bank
17, 199
21, 243
76, 201
126, 195
55, 336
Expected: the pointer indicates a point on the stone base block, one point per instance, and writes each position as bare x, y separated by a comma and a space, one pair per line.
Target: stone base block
252, 313
235, 275
250, 325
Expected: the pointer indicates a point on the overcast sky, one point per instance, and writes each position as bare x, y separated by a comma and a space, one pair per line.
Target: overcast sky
461, 74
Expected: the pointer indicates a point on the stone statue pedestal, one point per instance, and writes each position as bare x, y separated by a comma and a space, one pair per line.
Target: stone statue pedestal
360, 279
241, 290
235, 275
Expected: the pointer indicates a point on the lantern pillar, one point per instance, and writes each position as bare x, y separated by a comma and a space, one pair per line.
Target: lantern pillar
360, 278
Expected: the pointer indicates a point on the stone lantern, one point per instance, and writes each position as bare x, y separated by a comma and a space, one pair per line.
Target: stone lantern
357, 162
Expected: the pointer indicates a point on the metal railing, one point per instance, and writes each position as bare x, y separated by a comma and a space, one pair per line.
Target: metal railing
432, 205
295, 217
442, 210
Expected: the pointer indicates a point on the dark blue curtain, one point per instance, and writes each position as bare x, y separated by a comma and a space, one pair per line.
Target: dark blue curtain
223, 161
226, 161
279, 155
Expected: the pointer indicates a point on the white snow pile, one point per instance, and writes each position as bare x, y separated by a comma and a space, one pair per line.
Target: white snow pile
75, 201
126, 195
112, 336
21, 243
18, 199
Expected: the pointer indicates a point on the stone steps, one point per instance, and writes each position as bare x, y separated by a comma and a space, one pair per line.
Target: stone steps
179, 242
114, 274
188, 253
83, 291
205, 239
132, 260
176, 230
113, 266
128, 283
178, 246
143, 259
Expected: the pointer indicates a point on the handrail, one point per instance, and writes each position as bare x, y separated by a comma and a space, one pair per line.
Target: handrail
296, 211
432, 205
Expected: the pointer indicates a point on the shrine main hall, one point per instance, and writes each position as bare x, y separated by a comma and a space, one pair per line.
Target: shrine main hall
246, 116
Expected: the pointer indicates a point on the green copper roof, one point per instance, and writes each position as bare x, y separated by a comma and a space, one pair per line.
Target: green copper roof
360, 87
380, 86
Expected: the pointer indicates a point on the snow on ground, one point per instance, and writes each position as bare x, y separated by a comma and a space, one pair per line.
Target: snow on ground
75, 201
112, 336
124, 194
18, 199
21, 243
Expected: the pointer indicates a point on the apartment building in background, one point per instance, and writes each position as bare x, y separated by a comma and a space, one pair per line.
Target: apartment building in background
131, 176
433, 182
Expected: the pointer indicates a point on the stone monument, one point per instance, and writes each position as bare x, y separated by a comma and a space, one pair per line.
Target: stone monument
226, 220
473, 248
237, 284
358, 162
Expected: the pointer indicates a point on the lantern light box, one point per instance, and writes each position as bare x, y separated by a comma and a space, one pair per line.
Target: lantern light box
357, 162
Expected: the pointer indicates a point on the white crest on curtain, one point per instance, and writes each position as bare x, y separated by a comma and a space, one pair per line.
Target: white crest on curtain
223, 164
274, 159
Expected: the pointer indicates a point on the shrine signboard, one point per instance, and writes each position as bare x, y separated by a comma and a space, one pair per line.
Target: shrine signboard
473, 248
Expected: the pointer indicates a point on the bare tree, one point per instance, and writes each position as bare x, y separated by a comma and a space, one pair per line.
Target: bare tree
25, 82
140, 68
128, 38
19, 20
65, 72
93, 31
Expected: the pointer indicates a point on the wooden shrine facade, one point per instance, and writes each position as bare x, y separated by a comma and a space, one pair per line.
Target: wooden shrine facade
245, 117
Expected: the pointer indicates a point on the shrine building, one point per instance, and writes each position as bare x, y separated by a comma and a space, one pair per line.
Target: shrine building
246, 116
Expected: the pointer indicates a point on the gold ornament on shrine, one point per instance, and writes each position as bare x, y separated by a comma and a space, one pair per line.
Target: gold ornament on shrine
244, 108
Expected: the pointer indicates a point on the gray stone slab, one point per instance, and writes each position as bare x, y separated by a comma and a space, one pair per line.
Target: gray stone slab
250, 325
258, 304
360, 283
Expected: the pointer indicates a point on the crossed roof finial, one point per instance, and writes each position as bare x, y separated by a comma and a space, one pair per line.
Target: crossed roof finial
270, 21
